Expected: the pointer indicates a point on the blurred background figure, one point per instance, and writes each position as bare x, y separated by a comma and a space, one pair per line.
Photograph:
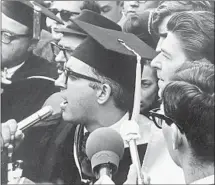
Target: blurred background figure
65, 10
138, 7
138, 24
149, 89
111, 9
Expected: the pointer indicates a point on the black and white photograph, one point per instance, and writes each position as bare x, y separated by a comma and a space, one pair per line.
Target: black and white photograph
107, 92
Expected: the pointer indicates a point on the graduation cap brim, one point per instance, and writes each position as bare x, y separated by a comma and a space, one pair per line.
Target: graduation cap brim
109, 39
22, 12
91, 18
70, 31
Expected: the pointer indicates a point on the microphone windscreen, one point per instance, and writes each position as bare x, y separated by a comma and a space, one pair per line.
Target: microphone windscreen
104, 145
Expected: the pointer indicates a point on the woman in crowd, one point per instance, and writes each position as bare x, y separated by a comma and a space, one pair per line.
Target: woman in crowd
138, 25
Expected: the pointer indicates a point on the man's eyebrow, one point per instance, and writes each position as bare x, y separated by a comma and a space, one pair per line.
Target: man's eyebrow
164, 51
164, 35
64, 47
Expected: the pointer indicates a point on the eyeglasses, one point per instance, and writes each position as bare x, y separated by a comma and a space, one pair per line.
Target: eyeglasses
64, 14
67, 52
7, 37
74, 76
158, 119
57, 48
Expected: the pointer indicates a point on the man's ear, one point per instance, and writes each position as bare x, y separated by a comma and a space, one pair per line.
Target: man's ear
103, 93
176, 137
33, 44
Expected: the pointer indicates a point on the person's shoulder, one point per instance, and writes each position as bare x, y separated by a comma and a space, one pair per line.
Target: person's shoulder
42, 67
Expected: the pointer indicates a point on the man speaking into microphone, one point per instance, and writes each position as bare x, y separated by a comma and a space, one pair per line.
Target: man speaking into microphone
98, 85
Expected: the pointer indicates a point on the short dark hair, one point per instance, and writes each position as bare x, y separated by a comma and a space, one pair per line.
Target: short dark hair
189, 100
167, 8
122, 97
91, 5
195, 30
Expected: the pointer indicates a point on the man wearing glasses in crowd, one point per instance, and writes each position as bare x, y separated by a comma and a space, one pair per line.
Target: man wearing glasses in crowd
27, 80
65, 11
71, 39
187, 122
186, 118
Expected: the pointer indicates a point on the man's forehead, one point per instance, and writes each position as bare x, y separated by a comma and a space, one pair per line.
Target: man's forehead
162, 28
70, 41
77, 65
105, 3
171, 44
72, 6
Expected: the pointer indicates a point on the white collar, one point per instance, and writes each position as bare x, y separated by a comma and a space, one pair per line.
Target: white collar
206, 180
10, 72
116, 126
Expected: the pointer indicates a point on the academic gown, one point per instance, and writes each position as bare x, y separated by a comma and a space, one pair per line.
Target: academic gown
124, 165
31, 85
52, 158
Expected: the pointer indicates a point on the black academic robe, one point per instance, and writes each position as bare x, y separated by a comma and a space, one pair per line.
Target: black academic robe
124, 165
30, 87
50, 155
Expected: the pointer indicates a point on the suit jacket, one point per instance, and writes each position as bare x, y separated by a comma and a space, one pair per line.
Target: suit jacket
31, 85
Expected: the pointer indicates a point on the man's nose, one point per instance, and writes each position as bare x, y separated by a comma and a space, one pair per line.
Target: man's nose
155, 63
61, 81
60, 57
58, 15
50, 23
158, 48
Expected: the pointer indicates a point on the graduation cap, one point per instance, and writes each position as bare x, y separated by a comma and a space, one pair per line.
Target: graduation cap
118, 56
29, 13
105, 50
90, 17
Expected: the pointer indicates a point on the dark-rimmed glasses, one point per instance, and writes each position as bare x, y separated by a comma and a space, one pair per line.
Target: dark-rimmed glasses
7, 37
57, 48
67, 52
158, 119
64, 14
73, 75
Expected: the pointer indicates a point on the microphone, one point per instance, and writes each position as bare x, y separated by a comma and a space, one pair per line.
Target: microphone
104, 148
34, 118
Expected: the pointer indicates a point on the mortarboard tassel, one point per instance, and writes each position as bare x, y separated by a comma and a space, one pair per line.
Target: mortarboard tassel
135, 113
36, 21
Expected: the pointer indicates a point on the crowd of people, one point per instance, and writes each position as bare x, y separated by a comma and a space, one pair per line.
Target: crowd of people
82, 58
